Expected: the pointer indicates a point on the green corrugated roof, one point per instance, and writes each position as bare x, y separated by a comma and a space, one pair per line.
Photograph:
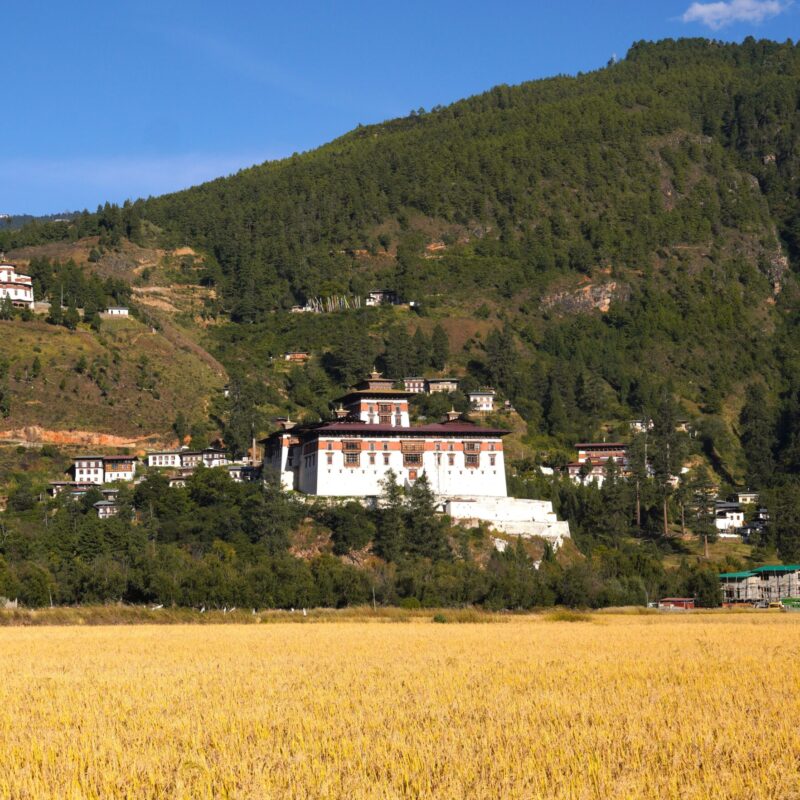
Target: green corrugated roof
778, 568
746, 574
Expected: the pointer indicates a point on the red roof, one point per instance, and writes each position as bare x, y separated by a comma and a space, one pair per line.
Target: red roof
601, 444
455, 427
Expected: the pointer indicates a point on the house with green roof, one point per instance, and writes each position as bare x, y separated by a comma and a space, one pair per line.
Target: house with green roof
768, 583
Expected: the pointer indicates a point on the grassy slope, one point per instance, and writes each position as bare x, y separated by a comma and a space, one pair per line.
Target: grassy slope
63, 399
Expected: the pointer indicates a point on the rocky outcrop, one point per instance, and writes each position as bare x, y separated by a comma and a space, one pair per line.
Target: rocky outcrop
587, 298
776, 268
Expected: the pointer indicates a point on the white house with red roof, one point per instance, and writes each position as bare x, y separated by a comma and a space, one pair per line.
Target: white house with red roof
594, 460
15, 286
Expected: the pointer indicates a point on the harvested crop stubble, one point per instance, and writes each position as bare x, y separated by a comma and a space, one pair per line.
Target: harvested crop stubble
617, 707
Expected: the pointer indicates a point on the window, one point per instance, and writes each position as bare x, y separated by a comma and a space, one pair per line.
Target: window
412, 474
412, 459
351, 459
471, 460
491, 459
386, 445
437, 446
329, 445
372, 445
372, 459
438, 459
384, 408
330, 458
451, 459
491, 446
351, 446
385, 419
386, 459
451, 447
472, 447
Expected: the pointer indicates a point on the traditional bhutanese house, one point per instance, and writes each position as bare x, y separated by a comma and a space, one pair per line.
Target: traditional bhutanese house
164, 458
483, 401
740, 587
14, 286
296, 357
88, 469
446, 385
594, 459
119, 468
106, 509
116, 311
104, 469
414, 385
747, 498
728, 518
208, 457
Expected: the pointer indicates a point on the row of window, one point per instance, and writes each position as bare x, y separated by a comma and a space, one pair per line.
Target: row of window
356, 445
471, 460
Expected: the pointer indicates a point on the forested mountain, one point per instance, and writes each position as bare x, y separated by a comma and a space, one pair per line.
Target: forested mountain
613, 245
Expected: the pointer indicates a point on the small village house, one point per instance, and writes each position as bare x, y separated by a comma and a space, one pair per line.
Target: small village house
414, 385
116, 311
106, 508
98, 470
482, 402
594, 459
728, 518
164, 458
15, 287
446, 385
747, 497
676, 603
382, 297
296, 357
641, 425
208, 457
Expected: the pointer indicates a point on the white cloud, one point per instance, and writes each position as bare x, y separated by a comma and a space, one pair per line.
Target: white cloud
718, 15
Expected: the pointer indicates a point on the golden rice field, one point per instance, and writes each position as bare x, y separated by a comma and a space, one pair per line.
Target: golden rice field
702, 706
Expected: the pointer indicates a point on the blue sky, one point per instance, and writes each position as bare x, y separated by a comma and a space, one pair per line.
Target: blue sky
103, 102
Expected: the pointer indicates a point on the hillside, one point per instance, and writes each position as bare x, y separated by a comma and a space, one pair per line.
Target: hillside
120, 386
588, 245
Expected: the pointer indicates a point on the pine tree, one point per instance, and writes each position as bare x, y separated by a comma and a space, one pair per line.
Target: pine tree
667, 451
758, 437
56, 315
440, 348
390, 531
420, 353
71, 317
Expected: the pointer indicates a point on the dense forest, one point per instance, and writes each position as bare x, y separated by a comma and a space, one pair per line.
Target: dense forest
665, 184
217, 543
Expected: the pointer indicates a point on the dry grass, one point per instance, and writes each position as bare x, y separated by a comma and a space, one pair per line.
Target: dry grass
693, 707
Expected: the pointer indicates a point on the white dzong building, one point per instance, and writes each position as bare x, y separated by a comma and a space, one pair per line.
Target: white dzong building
371, 435
16, 287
